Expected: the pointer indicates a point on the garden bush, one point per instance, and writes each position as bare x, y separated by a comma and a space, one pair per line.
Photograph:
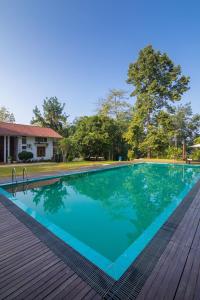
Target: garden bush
25, 155
174, 152
131, 155
196, 154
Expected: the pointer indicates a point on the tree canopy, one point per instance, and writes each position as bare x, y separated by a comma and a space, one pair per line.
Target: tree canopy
6, 115
156, 125
158, 83
115, 105
97, 136
53, 115
186, 124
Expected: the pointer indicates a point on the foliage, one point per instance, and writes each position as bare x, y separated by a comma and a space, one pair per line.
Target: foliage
68, 148
64, 146
130, 155
197, 140
186, 125
53, 115
196, 154
174, 152
25, 155
97, 136
158, 83
156, 126
115, 105
196, 151
6, 116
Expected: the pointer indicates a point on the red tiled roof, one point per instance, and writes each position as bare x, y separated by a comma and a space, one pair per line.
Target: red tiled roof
12, 129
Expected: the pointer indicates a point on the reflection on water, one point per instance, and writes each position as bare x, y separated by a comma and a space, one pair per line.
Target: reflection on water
109, 210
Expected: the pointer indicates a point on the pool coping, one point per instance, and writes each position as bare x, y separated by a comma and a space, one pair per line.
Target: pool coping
132, 281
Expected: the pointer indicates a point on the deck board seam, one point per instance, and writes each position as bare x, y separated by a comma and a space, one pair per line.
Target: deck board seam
186, 261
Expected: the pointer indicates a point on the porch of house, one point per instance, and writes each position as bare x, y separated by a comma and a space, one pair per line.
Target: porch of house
8, 148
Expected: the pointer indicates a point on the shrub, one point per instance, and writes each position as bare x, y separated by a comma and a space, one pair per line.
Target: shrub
131, 155
25, 155
174, 153
196, 154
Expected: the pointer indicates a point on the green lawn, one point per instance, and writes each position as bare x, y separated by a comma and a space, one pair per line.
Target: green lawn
37, 168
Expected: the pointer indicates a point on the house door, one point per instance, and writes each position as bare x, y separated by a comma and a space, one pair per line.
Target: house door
1, 148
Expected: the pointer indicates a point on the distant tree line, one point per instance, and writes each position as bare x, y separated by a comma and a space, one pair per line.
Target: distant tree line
155, 126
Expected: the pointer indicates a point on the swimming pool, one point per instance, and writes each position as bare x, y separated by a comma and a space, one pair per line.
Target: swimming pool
108, 216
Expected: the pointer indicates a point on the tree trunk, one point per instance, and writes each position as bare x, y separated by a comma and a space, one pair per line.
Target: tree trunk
149, 152
148, 123
184, 151
109, 155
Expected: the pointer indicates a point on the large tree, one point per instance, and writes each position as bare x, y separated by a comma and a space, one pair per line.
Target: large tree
115, 105
65, 146
53, 115
97, 136
186, 124
158, 83
6, 115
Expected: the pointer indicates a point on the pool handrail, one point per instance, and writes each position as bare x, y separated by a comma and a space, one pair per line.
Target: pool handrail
25, 173
14, 176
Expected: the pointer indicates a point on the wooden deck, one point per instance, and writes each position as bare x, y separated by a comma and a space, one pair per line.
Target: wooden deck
30, 267
30, 270
177, 273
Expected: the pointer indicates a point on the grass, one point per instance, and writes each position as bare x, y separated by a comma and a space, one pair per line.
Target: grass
164, 160
39, 168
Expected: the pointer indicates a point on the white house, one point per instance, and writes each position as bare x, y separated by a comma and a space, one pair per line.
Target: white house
15, 138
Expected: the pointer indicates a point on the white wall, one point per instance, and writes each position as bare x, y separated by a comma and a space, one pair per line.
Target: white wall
33, 147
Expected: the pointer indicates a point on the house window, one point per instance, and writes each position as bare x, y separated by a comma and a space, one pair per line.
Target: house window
40, 139
23, 140
23, 147
41, 152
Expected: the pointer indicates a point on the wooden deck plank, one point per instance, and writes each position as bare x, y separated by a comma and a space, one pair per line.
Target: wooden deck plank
45, 269
53, 289
197, 288
68, 285
176, 276
28, 272
9, 240
187, 285
76, 291
168, 286
85, 291
16, 264
22, 247
89, 296
29, 269
45, 278
15, 259
10, 237
73, 290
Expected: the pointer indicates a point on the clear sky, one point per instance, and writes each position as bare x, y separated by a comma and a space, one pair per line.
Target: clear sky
78, 49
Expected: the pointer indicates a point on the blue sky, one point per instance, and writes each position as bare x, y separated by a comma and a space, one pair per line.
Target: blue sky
77, 50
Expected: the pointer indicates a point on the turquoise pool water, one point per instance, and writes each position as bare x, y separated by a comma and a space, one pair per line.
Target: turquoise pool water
108, 216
